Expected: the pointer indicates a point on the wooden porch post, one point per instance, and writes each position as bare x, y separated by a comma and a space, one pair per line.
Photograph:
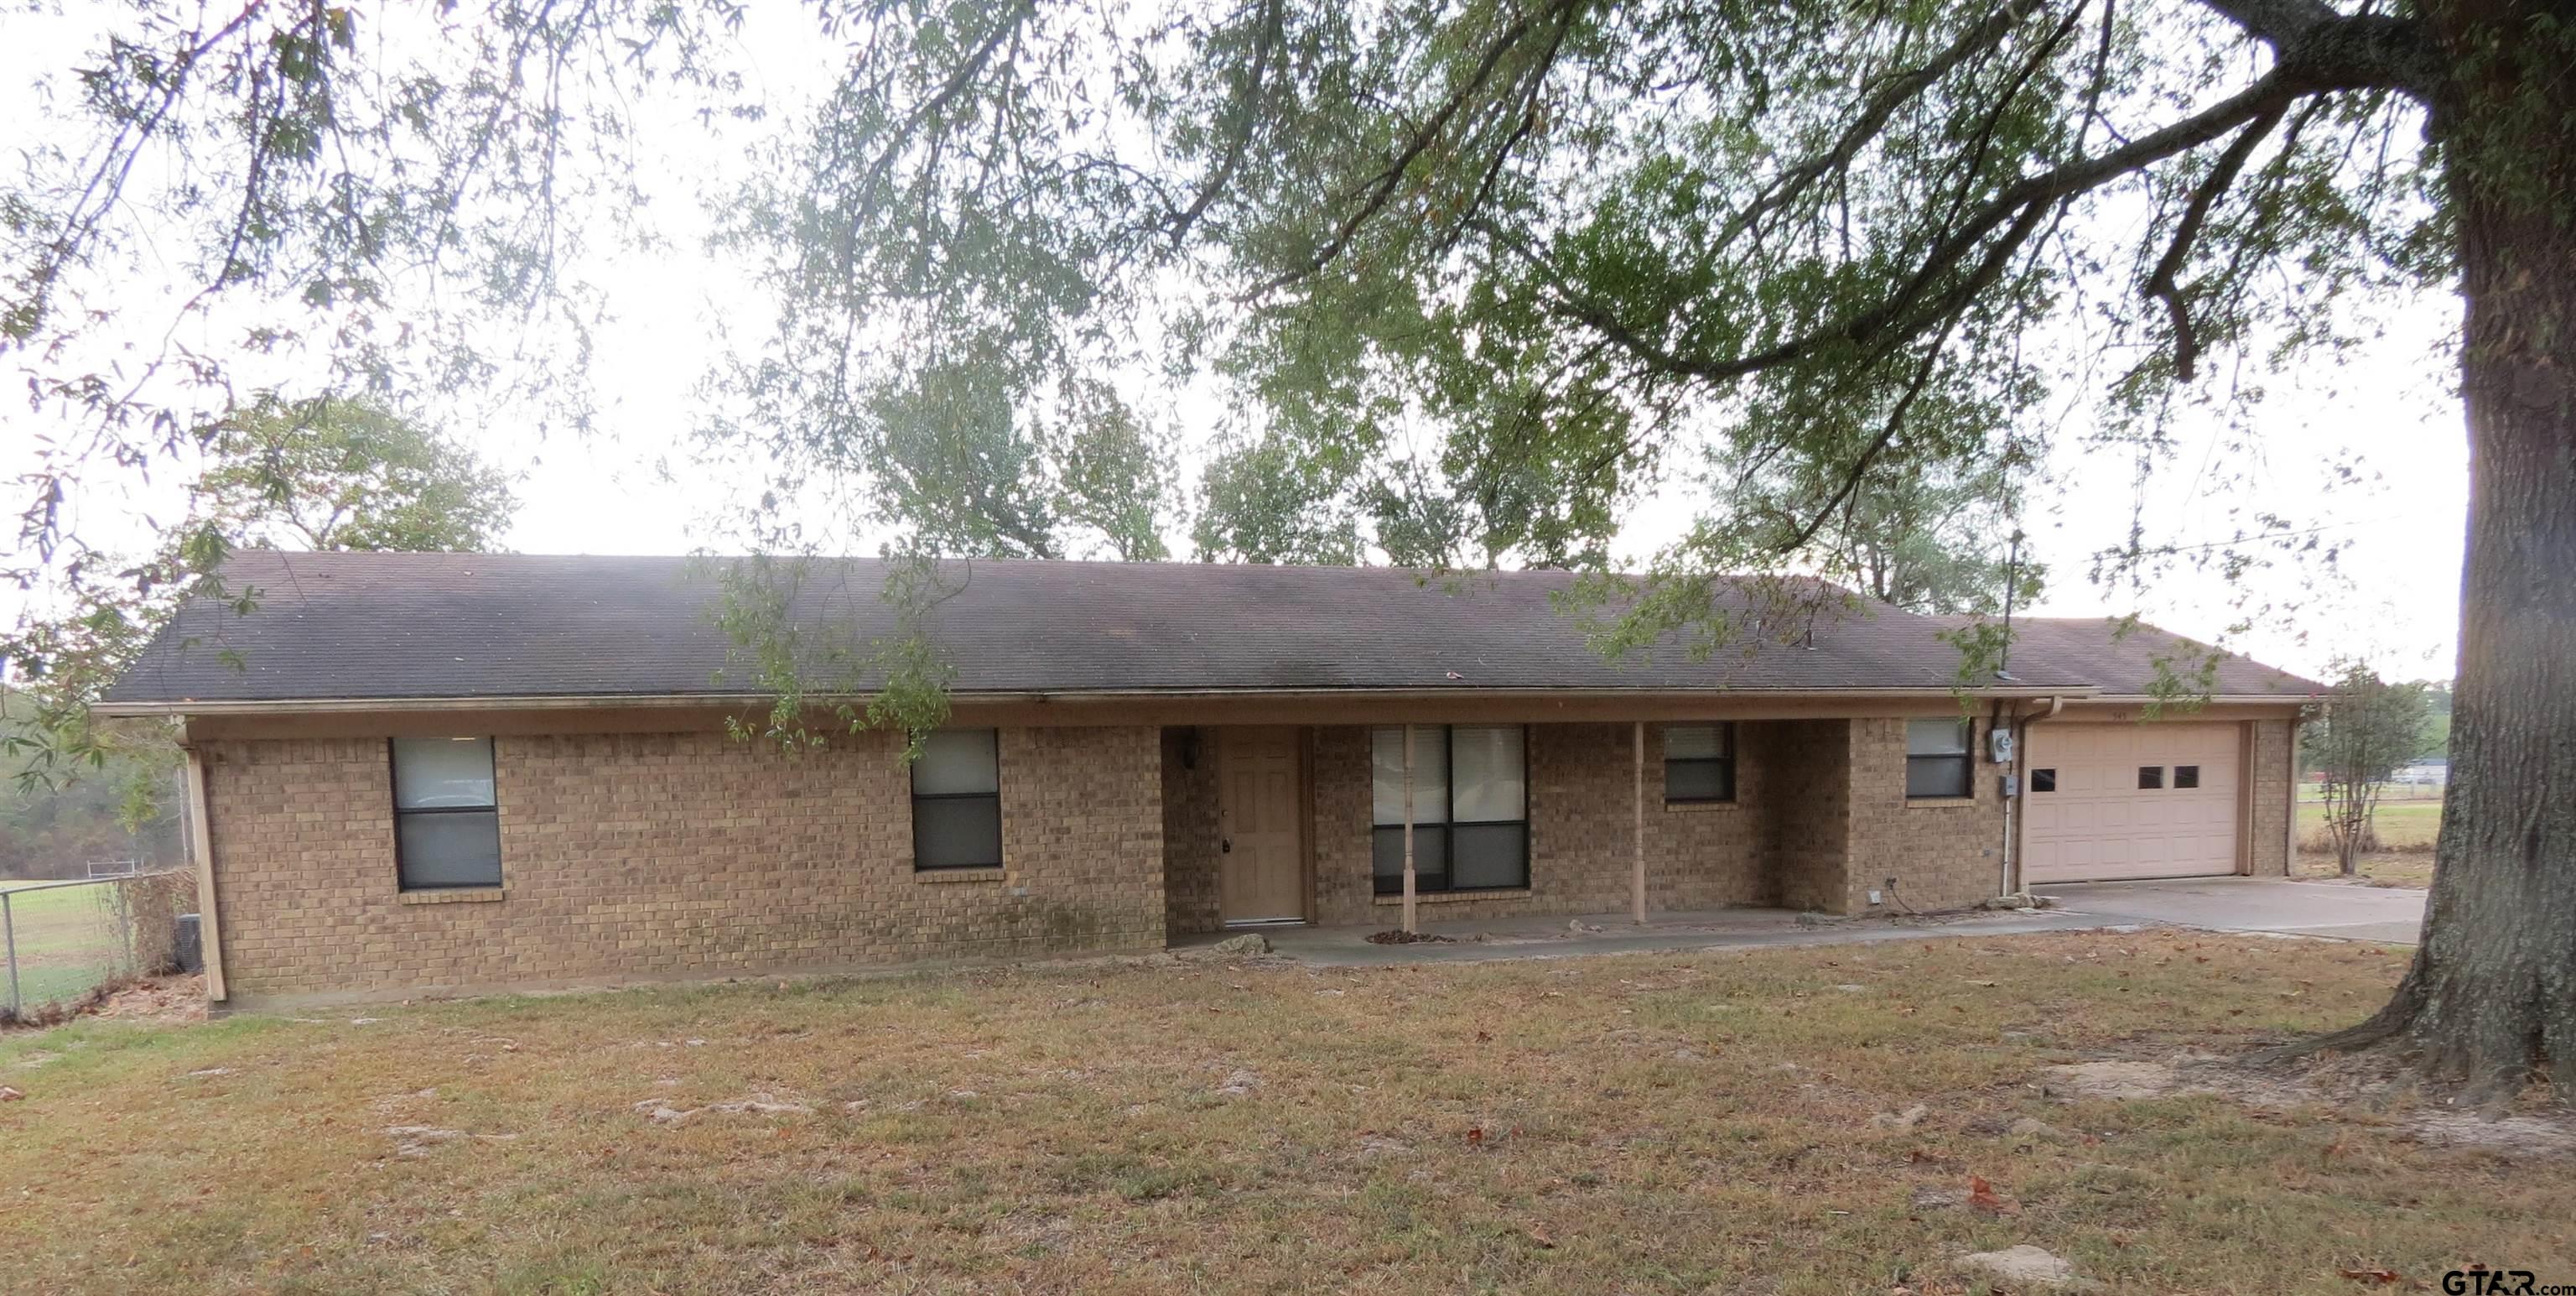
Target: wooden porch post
1637, 881
1408, 829
201, 852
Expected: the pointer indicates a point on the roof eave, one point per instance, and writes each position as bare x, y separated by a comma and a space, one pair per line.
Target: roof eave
589, 701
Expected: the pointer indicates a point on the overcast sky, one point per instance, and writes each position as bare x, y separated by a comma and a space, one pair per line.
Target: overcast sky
2390, 595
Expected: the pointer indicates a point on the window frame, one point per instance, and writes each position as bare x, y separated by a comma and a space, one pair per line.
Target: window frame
1965, 757
393, 796
1725, 730
1450, 822
912, 779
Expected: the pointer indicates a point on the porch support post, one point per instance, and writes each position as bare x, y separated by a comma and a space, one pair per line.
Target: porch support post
1637, 881
201, 852
1408, 829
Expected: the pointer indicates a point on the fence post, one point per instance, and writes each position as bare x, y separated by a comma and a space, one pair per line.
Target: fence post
9, 926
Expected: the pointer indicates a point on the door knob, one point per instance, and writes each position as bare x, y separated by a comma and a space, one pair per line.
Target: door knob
1225, 845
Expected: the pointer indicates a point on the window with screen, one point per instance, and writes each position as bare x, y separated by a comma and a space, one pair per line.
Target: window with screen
1699, 763
1936, 759
447, 814
1470, 808
957, 800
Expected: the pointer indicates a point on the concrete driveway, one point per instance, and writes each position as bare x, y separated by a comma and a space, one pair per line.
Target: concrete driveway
2252, 905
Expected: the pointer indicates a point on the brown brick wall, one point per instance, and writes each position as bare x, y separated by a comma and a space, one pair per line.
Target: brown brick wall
674, 854
1582, 830
1810, 817
2271, 779
1943, 854
1190, 831
1820, 818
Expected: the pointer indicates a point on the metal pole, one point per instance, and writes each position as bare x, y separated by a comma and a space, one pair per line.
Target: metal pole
1637, 883
9, 925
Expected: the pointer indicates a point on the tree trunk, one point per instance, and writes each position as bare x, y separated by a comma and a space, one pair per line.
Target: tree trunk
2491, 998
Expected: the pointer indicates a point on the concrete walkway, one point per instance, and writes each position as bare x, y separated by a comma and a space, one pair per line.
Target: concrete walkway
2265, 905
1522, 938
2243, 904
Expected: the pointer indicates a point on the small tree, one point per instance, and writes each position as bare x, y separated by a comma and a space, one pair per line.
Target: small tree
2370, 729
334, 472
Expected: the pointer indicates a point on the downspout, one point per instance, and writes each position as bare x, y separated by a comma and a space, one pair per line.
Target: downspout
1998, 722
2021, 735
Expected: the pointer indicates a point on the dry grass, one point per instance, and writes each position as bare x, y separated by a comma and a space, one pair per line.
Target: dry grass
2406, 830
2388, 869
1682, 1122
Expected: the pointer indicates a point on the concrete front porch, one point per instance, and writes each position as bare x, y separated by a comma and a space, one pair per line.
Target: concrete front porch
1474, 940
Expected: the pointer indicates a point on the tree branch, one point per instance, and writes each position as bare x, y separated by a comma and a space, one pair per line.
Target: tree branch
2276, 22
1905, 312
1247, 113
1382, 186
2160, 285
1896, 93
2338, 51
1986, 274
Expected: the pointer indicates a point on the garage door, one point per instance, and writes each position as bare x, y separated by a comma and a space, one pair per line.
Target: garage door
2129, 801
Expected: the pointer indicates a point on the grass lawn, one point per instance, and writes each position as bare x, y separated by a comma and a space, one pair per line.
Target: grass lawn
2406, 831
1649, 1123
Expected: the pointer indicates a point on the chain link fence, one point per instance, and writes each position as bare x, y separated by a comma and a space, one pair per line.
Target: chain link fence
67, 941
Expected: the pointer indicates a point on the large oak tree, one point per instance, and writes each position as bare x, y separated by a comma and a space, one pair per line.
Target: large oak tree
1494, 268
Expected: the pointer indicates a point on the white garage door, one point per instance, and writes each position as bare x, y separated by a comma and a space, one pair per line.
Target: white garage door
2129, 801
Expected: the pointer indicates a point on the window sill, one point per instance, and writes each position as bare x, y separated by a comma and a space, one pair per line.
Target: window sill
1456, 897
454, 895
960, 875
1938, 803
1700, 807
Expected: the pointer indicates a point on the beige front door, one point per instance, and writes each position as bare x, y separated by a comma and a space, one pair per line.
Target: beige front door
2113, 801
1261, 867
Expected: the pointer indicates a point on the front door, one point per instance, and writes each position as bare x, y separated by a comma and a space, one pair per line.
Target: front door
1261, 864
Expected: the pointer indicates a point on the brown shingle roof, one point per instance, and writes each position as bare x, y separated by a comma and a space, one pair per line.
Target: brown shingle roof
2128, 664
413, 626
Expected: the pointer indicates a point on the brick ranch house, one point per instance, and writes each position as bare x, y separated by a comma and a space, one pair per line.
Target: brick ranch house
442, 773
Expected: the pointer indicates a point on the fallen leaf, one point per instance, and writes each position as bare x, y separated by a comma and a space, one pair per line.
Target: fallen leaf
1475, 1136
1539, 1236
1982, 1196
1484, 1037
2375, 1277
9, 1093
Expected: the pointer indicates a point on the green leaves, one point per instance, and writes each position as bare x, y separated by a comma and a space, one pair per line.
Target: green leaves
339, 473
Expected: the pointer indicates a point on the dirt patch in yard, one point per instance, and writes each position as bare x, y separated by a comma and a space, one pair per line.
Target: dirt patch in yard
170, 999
2360, 1092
